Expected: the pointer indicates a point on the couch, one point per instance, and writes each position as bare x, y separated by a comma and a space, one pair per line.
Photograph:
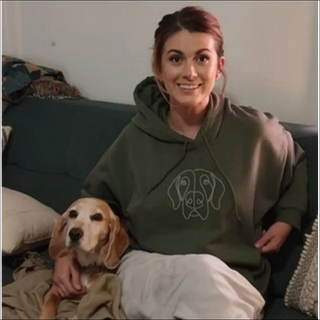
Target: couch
55, 143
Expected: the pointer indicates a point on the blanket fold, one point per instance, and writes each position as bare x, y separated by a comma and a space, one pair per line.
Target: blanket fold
23, 298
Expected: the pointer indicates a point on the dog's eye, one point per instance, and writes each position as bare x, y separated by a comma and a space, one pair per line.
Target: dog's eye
96, 217
73, 214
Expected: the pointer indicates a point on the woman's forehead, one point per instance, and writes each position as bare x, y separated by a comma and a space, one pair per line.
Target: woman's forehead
190, 42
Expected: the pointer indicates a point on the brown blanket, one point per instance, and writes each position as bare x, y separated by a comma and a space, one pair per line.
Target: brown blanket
22, 299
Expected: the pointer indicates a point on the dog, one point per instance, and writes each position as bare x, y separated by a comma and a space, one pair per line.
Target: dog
90, 232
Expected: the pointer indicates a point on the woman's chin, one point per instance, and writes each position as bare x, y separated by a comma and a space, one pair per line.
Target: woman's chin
187, 102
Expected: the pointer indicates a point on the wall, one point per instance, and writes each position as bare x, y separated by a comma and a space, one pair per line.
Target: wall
104, 48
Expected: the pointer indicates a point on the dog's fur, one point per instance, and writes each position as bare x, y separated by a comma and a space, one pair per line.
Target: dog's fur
92, 234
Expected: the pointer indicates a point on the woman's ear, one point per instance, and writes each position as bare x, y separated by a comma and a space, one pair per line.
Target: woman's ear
58, 237
157, 77
221, 65
117, 244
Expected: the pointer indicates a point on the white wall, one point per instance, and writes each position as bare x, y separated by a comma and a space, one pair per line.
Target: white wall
104, 48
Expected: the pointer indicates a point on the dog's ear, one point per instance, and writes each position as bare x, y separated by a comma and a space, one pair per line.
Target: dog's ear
58, 237
217, 192
117, 244
178, 189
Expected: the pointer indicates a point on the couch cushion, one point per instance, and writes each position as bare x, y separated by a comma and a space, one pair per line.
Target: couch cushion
6, 275
277, 310
56, 143
307, 138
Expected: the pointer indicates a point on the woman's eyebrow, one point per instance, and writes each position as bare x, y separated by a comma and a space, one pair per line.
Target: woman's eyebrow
180, 52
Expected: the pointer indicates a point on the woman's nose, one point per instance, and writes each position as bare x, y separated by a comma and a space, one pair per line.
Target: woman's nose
189, 71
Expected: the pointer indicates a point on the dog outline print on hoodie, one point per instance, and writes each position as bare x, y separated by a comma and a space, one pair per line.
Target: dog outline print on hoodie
194, 191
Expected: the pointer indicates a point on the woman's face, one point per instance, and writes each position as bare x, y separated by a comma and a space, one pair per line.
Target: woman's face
189, 68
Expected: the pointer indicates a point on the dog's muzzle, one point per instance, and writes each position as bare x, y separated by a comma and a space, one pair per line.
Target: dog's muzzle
75, 234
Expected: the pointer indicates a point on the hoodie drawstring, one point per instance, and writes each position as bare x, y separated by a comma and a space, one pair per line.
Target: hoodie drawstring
230, 185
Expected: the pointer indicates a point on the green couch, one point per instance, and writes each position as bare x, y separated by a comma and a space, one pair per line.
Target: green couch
55, 143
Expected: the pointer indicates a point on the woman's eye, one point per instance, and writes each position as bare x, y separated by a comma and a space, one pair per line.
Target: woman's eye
203, 58
175, 59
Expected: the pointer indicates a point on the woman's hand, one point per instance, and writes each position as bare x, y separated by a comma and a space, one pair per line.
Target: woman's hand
66, 277
272, 240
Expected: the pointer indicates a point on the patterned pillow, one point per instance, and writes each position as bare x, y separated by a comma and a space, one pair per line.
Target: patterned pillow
302, 291
6, 130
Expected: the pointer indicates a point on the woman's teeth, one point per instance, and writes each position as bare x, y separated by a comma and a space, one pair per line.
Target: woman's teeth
188, 86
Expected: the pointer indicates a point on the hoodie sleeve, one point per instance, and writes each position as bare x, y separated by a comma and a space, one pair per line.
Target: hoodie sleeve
99, 183
292, 204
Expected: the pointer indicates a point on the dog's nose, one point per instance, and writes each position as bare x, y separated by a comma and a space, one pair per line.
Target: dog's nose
75, 234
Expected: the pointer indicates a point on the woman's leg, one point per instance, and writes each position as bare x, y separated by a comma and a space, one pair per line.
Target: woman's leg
156, 286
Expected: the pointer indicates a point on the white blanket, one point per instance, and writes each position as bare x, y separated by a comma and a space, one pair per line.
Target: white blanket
156, 286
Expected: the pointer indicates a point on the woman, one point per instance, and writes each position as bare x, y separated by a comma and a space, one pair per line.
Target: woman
193, 177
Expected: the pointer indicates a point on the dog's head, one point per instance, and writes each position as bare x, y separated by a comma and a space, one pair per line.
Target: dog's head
90, 226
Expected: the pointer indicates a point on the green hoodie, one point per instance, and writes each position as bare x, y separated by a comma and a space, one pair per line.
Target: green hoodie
208, 195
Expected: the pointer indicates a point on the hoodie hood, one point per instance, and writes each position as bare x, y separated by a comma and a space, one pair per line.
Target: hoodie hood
152, 110
152, 113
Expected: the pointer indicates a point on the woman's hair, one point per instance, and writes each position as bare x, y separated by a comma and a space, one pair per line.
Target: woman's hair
192, 19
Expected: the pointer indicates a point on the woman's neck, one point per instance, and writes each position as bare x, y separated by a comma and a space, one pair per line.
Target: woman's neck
186, 122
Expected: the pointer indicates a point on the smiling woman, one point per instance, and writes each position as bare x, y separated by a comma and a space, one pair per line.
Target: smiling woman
190, 64
189, 68
194, 178
188, 59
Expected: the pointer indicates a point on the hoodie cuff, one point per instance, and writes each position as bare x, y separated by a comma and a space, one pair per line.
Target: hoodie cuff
291, 217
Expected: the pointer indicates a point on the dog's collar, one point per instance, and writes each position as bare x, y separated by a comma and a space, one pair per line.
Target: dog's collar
92, 268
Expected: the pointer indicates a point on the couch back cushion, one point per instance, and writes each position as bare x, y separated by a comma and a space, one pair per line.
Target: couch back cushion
56, 143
